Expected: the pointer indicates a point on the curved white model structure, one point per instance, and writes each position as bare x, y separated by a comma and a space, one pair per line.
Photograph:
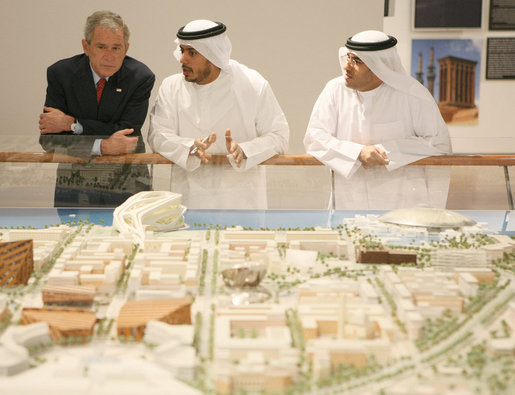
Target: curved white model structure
158, 211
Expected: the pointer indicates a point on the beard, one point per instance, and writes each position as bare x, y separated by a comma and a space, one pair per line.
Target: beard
201, 74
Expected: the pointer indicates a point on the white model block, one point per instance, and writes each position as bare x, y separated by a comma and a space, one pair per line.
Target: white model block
400, 292
86, 269
496, 251
63, 278
158, 332
367, 293
32, 334
301, 259
112, 272
502, 346
97, 280
39, 234
168, 266
404, 307
190, 278
468, 284
320, 234
97, 266
238, 234
414, 324
164, 279
321, 364
12, 362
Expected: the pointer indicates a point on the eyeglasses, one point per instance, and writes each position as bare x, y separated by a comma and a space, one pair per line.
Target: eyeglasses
354, 61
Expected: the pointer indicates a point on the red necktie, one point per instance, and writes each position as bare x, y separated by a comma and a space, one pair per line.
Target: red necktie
100, 88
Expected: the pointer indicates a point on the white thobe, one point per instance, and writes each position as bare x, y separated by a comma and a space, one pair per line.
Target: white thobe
407, 127
240, 100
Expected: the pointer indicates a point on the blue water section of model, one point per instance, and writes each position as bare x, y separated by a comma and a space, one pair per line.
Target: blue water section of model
500, 221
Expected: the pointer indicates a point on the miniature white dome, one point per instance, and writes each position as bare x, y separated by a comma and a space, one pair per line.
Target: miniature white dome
428, 217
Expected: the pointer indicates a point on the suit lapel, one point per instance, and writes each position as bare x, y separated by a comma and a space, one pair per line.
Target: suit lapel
84, 89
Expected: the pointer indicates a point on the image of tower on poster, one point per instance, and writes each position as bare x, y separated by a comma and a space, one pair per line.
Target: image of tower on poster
450, 69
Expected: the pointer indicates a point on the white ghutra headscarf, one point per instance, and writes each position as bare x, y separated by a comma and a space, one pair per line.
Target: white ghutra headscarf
377, 50
209, 39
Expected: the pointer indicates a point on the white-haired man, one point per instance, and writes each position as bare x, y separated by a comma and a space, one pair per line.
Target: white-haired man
216, 106
96, 104
368, 124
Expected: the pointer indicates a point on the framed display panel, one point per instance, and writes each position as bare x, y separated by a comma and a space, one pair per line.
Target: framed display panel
500, 58
446, 14
501, 15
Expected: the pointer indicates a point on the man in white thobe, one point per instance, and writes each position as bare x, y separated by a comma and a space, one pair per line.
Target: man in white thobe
368, 124
216, 106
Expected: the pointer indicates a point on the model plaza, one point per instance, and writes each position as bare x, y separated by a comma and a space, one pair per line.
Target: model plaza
162, 309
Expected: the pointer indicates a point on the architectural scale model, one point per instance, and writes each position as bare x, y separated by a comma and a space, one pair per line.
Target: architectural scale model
368, 307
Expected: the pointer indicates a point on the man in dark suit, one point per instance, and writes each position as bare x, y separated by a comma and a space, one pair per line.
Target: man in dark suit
96, 104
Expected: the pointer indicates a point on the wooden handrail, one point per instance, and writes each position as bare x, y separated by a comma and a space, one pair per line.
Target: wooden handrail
278, 160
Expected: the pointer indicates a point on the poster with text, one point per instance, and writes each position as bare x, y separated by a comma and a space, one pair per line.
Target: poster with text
450, 70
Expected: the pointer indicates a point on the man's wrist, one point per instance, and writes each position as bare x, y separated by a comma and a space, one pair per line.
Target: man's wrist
69, 121
96, 149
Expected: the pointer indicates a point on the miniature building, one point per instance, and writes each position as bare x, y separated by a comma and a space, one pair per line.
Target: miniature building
394, 257
256, 336
11, 361
30, 335
237, 233
56, 234
135, 315
64, 323
267, 382
68, 295
16, 263
98, 261
320, 234
329, 354
166, 263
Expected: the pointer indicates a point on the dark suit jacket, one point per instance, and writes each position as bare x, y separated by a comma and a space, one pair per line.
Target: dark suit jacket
124, 102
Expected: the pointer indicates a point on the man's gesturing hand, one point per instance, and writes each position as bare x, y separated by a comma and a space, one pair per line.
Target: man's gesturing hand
233, 148
200, 146
372, 156
119, 143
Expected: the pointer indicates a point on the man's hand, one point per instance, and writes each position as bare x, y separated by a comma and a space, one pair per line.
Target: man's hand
233, 148
200, 146
119, 143
372, 156
54, 120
